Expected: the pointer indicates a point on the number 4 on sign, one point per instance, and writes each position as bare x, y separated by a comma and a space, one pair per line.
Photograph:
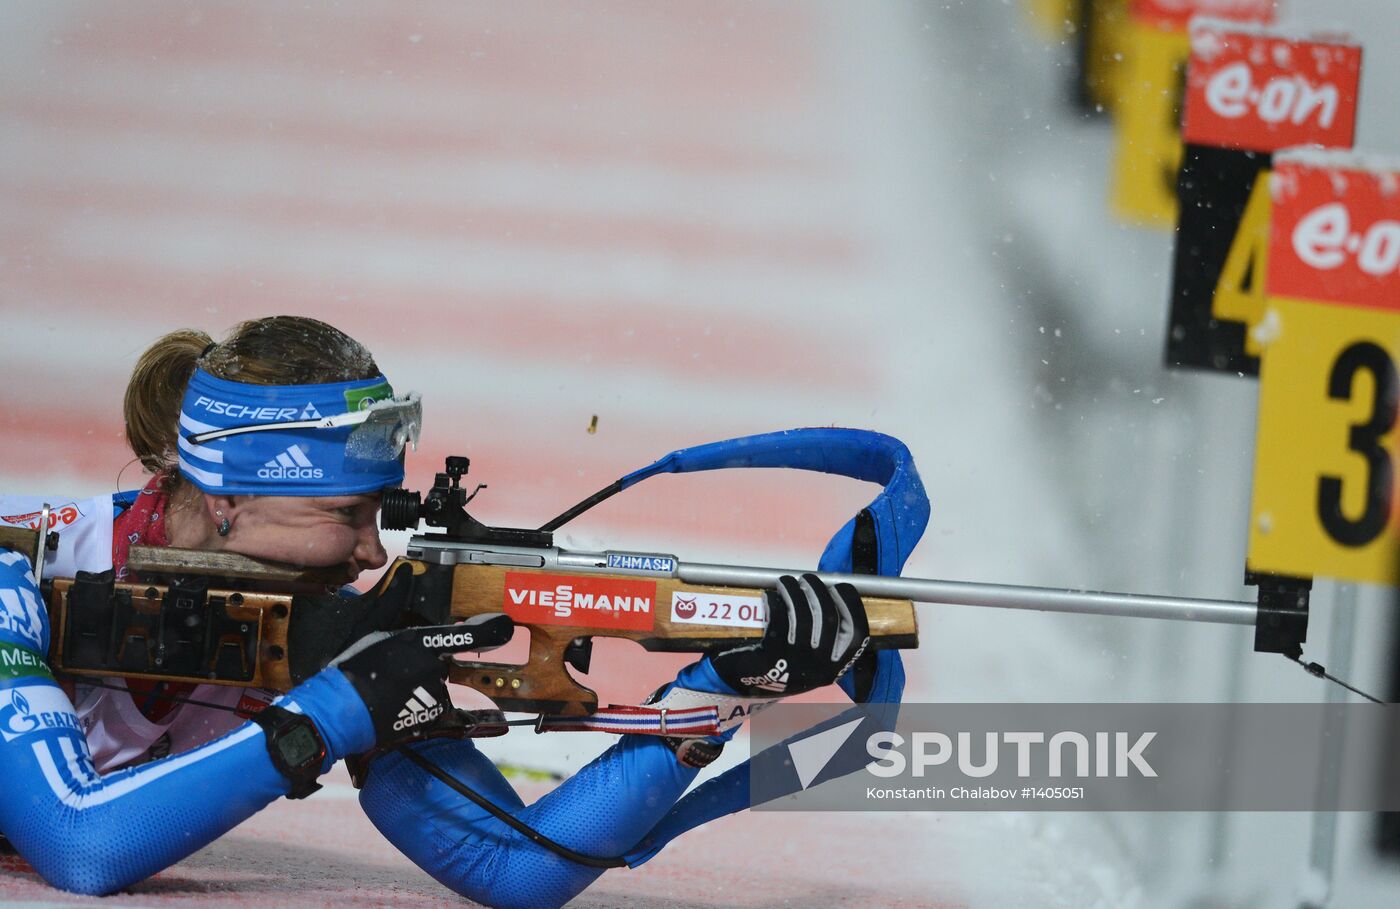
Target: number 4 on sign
1249, 93
1239, 294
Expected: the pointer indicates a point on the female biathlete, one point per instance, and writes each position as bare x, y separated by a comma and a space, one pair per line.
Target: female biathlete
108, 783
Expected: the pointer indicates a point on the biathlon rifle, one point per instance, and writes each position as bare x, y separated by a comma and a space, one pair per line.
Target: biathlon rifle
207, 617
210, 616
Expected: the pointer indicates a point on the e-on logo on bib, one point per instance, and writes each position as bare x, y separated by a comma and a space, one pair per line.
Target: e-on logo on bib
61, 516
590, 602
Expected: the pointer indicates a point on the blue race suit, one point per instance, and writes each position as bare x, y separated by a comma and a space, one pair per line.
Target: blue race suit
96, 833
603, 810
629, 801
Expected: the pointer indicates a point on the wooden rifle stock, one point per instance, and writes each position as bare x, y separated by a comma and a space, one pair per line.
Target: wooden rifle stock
150, 631
212, 631
544, 685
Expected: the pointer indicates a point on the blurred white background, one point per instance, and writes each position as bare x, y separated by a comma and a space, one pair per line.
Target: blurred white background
697, 221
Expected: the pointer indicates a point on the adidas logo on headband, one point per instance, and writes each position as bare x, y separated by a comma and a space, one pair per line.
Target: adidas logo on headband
291, 464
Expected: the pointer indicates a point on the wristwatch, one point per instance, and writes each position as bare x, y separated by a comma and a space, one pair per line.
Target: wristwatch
692, 752
294, 745
696, 753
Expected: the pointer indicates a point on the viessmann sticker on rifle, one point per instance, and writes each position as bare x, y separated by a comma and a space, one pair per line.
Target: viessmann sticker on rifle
694, 608
590, 602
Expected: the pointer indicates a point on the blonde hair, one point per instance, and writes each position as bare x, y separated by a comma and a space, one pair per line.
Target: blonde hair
276, 350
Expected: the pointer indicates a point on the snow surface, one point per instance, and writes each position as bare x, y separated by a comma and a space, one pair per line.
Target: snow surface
692, 222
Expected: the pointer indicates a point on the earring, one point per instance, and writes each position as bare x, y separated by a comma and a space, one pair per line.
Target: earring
225, 525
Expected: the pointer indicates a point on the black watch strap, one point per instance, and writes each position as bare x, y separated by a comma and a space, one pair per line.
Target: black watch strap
295, 746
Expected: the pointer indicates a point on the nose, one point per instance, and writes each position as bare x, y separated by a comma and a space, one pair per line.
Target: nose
369, 552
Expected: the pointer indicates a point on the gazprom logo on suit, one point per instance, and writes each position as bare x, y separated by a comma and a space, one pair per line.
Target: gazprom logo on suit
32, 708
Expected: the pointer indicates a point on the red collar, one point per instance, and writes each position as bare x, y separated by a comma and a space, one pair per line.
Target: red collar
143, 524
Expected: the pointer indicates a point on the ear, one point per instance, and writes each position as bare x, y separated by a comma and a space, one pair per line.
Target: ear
219, 507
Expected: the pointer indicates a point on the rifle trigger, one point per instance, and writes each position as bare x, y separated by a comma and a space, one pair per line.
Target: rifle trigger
579, 653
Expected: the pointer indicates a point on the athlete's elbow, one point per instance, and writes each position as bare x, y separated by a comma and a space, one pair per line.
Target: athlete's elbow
517, 897
86, 879
527, 877
85, 865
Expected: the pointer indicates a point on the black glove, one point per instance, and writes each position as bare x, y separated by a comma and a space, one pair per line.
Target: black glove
400, 675
814, 634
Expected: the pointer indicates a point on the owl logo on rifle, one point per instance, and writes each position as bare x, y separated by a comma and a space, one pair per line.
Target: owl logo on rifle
685, 608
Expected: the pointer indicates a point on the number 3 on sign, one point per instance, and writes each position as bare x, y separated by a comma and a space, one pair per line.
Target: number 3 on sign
1324, 486
1377, 492
1324, 489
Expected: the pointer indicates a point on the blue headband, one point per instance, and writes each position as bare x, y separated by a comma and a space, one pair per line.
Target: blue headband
322, 443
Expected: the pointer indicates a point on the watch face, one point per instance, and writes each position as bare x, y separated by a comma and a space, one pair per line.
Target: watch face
299, 745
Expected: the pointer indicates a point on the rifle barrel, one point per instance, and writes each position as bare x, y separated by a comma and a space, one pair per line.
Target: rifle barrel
920, 590
1000, 596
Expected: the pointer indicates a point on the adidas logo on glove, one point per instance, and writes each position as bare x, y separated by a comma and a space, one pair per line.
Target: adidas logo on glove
775, 679
459, 639
291, 465
421, 708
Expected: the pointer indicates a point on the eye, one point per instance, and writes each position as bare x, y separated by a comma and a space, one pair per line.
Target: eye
348, 511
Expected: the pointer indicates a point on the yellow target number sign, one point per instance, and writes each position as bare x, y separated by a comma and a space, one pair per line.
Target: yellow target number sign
1050, 16
1239, 293
1148, 139
1149, 95
1324, 485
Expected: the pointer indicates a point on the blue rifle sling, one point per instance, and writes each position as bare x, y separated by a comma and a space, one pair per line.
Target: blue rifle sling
898, 516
